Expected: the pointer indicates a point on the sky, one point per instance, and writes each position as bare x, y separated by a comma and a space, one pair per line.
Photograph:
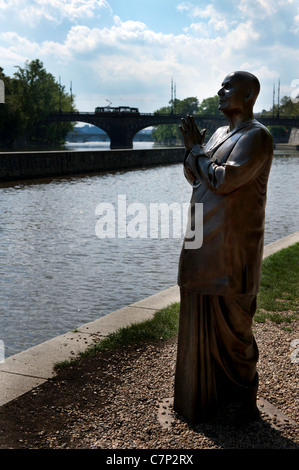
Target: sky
127, 52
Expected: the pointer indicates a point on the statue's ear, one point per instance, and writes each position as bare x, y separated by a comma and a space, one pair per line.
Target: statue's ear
249, 95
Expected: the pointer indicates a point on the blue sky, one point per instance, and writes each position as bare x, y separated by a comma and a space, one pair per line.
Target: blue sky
128, 51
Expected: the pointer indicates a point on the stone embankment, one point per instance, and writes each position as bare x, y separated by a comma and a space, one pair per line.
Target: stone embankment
40, 164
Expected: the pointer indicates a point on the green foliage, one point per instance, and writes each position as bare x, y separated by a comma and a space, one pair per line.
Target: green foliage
164, 325
30, 96
286, 108
209, 106
170, 133
278, 296
10, 113
278, 131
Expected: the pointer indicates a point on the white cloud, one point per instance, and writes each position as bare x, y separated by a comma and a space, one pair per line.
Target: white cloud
215, 20
295, 27
199, 29
55, 11
240, 38
14, 49
124, 59
257, 8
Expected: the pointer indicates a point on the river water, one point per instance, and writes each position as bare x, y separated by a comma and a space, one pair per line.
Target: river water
57, 274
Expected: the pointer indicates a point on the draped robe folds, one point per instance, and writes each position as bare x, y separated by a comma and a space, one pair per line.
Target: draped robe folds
217, 353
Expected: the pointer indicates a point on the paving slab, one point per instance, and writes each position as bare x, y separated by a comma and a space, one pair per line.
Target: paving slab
285, 242
15, 385
38, 361
119, 319
160, 300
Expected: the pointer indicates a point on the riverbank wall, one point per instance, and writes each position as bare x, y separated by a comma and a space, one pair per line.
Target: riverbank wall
45, 164
286, 146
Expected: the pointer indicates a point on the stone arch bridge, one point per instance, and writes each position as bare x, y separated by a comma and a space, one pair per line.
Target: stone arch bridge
122, 127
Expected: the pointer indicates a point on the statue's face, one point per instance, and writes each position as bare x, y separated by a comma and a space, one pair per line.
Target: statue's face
232, 94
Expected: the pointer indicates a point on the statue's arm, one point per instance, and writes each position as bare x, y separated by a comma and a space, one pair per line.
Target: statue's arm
246, 160
189, 175
191, 136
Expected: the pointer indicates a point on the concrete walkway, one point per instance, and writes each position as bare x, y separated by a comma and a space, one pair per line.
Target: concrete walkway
28, 369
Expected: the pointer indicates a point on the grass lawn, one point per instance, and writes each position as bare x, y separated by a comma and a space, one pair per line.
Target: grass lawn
277, 301
278, 296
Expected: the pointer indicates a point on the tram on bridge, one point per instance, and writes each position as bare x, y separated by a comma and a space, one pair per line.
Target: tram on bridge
118, 110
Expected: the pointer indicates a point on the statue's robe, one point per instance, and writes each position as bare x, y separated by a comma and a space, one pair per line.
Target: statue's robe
219, 280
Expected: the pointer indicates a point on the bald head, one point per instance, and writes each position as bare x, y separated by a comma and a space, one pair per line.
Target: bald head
249, 82
237, 95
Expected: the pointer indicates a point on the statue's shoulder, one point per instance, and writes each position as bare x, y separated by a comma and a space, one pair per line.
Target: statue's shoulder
257, 128
258, 125
258, 136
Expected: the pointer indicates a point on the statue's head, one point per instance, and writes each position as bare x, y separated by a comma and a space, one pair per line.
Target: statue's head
238, 93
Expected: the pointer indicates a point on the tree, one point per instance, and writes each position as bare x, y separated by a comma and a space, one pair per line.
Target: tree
11, 123
31, 95
287, 107
40, 94
169, 133
209, 106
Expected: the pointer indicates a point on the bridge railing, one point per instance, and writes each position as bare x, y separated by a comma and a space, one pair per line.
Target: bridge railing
291, 121
213, 116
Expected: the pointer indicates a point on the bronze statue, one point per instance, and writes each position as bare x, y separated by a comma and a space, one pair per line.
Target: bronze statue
217, 353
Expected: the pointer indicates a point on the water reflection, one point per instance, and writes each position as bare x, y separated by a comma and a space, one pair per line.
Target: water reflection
56, 274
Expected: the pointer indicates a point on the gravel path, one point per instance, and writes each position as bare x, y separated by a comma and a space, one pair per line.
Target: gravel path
120, 401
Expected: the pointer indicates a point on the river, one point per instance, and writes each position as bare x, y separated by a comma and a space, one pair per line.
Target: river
57, 274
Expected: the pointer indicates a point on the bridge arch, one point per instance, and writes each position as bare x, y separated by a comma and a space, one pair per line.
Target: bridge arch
88, 133
121, 128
